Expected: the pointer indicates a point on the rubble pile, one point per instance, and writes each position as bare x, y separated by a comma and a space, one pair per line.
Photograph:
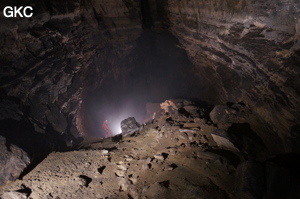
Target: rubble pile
182, 152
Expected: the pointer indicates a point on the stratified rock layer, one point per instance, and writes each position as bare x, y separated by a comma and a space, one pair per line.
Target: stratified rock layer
247, 50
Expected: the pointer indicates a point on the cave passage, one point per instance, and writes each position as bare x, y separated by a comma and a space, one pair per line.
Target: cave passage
159, 70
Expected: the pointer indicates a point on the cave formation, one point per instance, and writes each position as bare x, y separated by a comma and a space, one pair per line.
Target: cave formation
76, 63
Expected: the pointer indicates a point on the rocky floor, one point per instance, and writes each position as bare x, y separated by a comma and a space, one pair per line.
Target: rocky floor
172, 156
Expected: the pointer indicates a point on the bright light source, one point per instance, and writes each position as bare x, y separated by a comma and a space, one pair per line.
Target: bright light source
115, 127
116, 117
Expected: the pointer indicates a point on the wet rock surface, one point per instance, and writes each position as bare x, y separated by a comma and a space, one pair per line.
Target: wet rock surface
165, 158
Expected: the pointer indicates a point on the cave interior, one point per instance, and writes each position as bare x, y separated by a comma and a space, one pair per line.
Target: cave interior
77, 63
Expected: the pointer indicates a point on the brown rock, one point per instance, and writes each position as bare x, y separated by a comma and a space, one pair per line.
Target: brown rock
222, 139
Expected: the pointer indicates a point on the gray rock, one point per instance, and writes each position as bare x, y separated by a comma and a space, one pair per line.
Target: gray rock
13, 161
129, 126
224, 115
222, 139
14, 195
56, 118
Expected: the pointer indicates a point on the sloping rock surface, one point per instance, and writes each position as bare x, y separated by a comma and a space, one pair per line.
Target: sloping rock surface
163, 159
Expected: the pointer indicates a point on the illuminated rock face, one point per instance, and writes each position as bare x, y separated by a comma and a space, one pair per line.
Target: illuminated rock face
252, 48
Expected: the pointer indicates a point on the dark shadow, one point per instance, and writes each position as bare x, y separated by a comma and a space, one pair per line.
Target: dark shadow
165, 155
27, 191
294, 138
247, 140
147, 20
228, 155
87, 180
101, 169
37, 145
283, 176
165, 183
117, 138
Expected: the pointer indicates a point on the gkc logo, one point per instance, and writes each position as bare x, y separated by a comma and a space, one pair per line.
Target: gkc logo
15, 11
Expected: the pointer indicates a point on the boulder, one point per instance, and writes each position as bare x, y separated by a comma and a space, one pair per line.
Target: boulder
13, 161
222, 139
168, 106
224, 115
129, 126
193, 110
218, 115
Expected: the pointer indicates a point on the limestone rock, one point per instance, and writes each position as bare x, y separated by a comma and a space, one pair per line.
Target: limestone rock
242, 54
218, 113
129, 126
159, 157
194, 111
13, 161
222, 139
186, 163
168, 106
14, 195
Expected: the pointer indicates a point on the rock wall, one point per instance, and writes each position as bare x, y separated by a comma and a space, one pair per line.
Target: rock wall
48, 60
242, 50
253, 49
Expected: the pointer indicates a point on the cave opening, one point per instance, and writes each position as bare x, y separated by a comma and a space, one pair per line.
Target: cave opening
158, 70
